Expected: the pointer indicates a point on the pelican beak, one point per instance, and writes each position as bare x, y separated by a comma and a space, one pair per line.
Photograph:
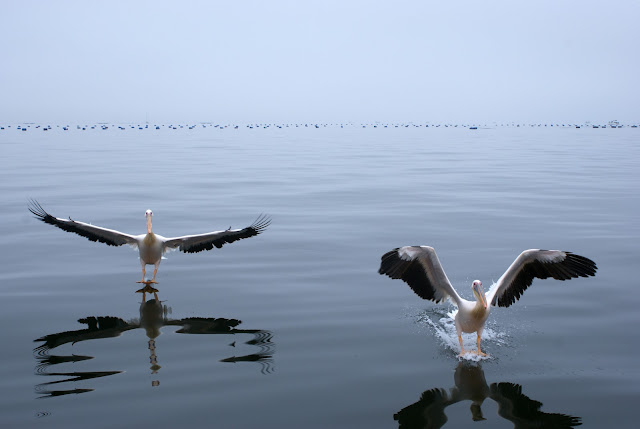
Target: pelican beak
477, 287
483, 296
148, 215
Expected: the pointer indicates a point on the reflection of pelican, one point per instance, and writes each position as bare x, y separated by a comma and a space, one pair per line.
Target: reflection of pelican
470, 385
419, 267
148, 289
152, 246
153, 316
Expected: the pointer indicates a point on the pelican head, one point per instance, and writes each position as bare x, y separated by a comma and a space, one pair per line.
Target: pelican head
148, 215
478, 292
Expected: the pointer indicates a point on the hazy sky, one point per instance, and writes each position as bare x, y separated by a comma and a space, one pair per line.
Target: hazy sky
289, 61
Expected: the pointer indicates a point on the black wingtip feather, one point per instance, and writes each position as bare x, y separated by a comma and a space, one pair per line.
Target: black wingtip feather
388, 263
581, 266
261, 223
36, 209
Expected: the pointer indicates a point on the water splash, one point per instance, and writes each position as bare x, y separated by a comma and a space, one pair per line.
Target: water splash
442, 323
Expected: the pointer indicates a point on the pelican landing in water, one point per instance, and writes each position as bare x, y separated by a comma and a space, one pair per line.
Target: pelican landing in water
152, 246
420, 268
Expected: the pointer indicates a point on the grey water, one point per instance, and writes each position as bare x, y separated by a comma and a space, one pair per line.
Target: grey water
295, 327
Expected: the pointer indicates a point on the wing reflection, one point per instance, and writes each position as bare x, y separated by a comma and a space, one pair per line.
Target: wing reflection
470, 385
153, 316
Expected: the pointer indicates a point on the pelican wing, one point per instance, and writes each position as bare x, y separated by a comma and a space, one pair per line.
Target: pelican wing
97, 327
542, 264
200, 242
525, 412
420, 268
93, 233
428, 412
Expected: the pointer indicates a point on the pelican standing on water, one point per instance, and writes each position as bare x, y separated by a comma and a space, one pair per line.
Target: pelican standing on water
152, 246
420, 268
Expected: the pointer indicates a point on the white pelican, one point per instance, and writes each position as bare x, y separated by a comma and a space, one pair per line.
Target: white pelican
420, 268
152, 246
471, 385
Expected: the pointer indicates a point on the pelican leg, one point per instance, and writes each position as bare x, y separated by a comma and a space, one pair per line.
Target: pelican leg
479, 353
143, 291
462, 352
155, 271
143, 274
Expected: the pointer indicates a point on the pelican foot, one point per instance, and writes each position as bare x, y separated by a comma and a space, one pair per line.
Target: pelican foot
147, 289
465, 353
148, 282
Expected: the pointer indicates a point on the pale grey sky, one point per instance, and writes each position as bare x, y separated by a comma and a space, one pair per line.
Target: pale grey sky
291, 61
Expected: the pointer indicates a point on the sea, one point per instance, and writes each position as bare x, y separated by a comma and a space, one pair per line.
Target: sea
295, 328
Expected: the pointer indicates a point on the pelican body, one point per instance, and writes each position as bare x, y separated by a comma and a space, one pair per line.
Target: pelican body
151, 246
420, 268
472, 315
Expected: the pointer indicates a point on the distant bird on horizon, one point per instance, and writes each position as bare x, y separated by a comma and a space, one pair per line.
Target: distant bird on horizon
420, 268
152, 246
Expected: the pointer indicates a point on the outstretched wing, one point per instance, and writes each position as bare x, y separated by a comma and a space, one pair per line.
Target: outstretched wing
541, 264
525, 412
200, 242
420, 268
428, 412
93, 233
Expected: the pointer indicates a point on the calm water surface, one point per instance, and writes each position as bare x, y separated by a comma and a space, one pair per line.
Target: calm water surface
295, 328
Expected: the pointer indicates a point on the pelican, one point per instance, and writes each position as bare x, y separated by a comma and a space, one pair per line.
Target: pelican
152, 246
471, 385
420, 268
